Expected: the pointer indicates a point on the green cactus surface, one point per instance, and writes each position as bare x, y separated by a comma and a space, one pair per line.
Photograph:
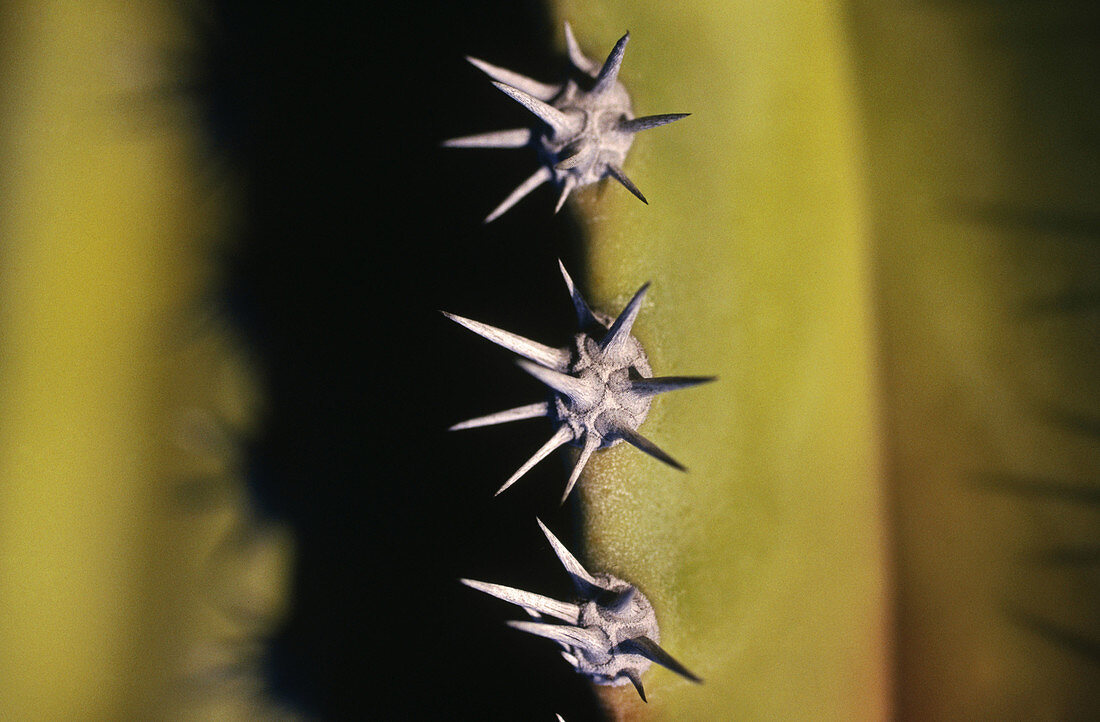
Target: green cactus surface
878, 230
765, 561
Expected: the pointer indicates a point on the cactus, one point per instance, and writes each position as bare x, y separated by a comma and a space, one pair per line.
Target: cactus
878, 228
839, 237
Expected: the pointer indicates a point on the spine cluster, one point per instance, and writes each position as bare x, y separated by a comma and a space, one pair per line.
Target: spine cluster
586, 125
600, 387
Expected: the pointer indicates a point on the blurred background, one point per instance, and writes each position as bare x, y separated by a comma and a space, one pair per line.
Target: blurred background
226, 489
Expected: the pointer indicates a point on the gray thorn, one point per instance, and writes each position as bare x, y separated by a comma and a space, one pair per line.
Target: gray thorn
562, 124
514, 138
635, 125
619, 332
642, 443
537, 178
534, 88
662, 384
540, 353
617, 173
651, 651
609, 73
561, 436
519, 413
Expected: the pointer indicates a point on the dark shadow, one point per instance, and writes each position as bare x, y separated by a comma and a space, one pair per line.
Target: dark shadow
1073, 421
357, 228
1067, 557
1021, 218
1065, 639
1068, 303
1038, 488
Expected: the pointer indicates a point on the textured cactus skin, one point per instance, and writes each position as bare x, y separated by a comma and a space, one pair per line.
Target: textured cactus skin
765, 563
886, 207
